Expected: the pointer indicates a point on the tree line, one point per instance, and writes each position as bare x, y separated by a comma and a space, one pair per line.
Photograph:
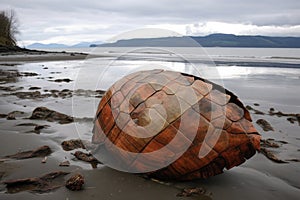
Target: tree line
8, 28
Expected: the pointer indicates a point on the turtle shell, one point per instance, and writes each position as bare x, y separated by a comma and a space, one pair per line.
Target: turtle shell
171, 125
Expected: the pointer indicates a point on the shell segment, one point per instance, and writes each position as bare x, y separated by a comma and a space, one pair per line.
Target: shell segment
173, 126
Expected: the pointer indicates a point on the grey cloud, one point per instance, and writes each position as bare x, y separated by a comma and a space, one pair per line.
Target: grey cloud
35, 16
255, 11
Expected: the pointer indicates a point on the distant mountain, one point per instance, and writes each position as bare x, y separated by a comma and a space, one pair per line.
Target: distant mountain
45, 46
56, 45
213, 40
81, 45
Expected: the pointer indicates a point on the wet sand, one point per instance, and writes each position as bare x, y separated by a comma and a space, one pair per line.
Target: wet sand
26, 86
42, 57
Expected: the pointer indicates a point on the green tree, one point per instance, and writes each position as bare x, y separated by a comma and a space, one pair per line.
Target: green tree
8, 28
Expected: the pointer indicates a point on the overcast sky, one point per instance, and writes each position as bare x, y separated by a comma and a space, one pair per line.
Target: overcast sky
73, 21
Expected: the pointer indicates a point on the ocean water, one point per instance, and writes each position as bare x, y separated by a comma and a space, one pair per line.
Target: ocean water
290, 55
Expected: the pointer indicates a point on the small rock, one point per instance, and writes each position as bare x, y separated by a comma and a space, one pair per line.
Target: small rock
258, 112
40, 127
293, 160
45, 159
292, 120
3, 115
34, 88
269, 143
187, 192
75, 183
266, 126
249, 107
69, 145
87, 157
64, 164
28, 74
43, 113
256, 104
63, 80
10, 116
271, 156
29, 95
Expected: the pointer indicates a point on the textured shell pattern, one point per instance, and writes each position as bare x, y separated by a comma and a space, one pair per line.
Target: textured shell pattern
151, 110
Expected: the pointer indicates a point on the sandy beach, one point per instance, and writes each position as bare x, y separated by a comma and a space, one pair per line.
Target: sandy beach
67, 85
27, 55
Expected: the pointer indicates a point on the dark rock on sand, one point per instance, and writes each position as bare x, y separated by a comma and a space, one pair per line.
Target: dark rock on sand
40, 127
3, 115
12, 115
30, 95
266, 126
9, 76
87, 157
27, 124
271, 155
69, 145
293, 160
187, 192
41, 184
269, 143
291, 120
65, 93
37, 127
28, 74
43, 113
63, 80
34, 88
258, 112
39, 152
10, 88
75, 183
64, 164
292, 117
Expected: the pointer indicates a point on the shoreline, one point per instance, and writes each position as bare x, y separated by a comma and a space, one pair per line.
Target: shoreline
42, 57
17, 54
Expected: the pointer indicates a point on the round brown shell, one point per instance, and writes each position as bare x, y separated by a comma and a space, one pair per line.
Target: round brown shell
173, 126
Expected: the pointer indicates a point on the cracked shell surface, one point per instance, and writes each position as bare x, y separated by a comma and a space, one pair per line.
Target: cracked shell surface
157, 111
